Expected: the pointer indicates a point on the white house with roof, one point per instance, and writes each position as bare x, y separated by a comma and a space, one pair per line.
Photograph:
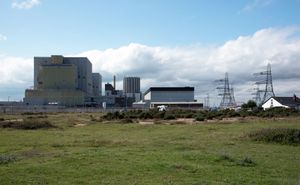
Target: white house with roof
285, 102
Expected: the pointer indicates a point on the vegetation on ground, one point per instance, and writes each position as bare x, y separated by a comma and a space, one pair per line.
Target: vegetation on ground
82, 151
27, 124
200, 115
277, 135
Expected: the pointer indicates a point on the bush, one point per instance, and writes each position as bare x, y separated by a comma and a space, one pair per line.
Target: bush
189, 115
200, 118
2, 119
127, 120
5, 159
32, 113
277, 135
159, 115
249, 105
169, 117
146, 115
246, 162
28, 124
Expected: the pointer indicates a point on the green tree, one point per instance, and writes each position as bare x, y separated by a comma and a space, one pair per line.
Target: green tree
249, 105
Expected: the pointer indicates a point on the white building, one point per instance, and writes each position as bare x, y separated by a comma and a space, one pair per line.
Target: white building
285, 102
176, 97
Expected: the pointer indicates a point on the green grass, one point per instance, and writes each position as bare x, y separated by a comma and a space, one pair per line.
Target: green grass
101, 153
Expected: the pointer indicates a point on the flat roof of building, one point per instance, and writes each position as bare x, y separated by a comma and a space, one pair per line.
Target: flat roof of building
177, 103
170, 89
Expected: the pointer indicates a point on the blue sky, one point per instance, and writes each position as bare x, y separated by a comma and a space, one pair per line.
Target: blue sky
64, 26
165, 42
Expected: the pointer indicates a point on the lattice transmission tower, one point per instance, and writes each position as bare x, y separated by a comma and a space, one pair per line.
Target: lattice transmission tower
268, 90
257, 94
206, 102
226, 92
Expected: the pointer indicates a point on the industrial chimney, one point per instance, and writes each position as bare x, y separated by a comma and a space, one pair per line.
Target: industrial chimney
114, 82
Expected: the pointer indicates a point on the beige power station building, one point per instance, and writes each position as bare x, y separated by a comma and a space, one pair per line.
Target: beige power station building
67, 81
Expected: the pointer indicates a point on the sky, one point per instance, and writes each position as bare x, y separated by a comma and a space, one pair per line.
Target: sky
165, 42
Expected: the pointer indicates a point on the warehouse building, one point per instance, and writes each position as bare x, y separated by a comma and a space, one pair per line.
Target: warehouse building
64, 81
172, 97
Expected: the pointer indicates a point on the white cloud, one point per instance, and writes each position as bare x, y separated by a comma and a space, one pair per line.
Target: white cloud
15, 70
200, 66
25, 4
16, 76
3, 37
194, 65
254, 4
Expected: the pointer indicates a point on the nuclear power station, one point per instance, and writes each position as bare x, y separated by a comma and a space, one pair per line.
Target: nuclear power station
70, 82
67, 81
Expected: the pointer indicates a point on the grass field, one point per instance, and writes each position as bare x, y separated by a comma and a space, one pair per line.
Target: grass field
80, 151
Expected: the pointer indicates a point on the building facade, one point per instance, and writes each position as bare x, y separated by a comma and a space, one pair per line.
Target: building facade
97, 84
132, 88
172, 97
63, 80
170, 94
284, 102
131, 85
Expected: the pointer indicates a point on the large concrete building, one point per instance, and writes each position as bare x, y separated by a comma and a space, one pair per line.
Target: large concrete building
132, 88
97, 84
63, 80
131, 85
175, 97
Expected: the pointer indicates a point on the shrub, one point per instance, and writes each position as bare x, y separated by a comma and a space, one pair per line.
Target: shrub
189, 115
249, 105
246, 162
127, 120
27, 124
169, 117
2, 119
146, 115
5, 159
277, 135
200, 118
159, 115
108, 116
93, 118
32, 113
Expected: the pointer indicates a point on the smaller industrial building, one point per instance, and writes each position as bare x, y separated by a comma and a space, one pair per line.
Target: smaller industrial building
122, 98
172, 97
285, 102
